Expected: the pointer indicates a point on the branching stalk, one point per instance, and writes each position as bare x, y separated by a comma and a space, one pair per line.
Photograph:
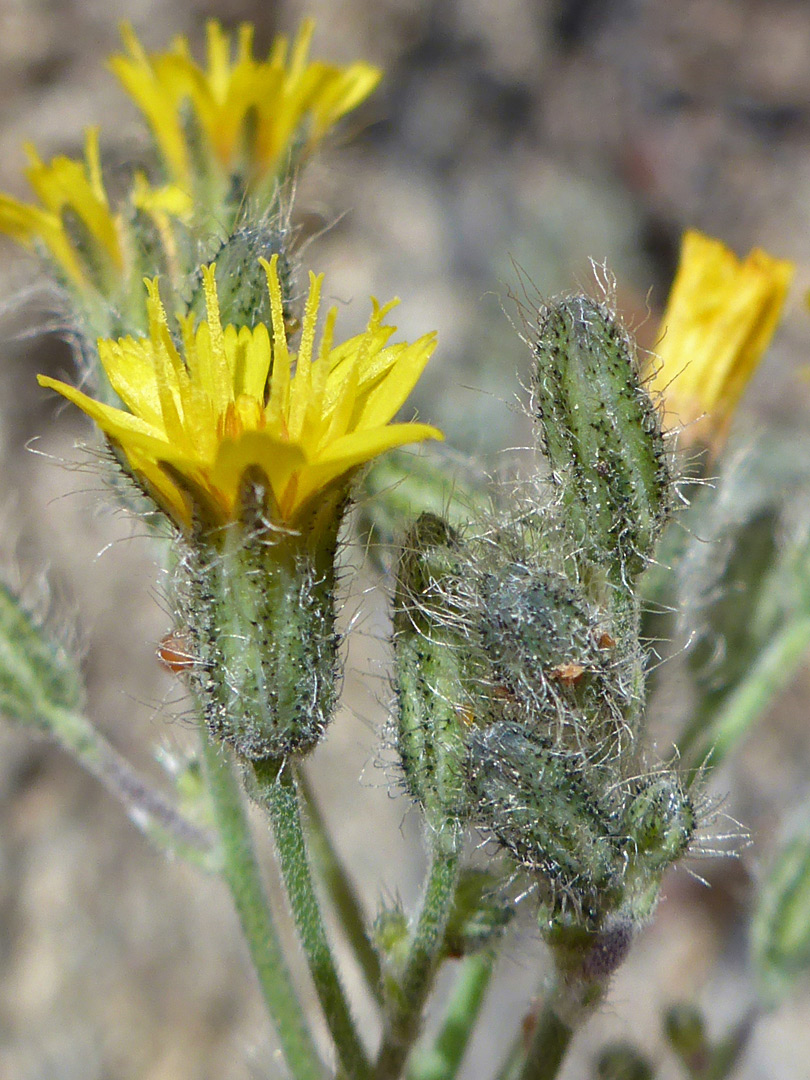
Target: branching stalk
341, 891
771, 671
548, 1047
153, 813
277, 791
241, 872
567, 1005
410, 992
443, 1060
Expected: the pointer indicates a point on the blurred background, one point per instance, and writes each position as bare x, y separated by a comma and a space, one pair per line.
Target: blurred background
510, 143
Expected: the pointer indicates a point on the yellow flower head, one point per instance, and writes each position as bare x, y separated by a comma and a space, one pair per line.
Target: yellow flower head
73, 224
234, 398
248, 112
720, 318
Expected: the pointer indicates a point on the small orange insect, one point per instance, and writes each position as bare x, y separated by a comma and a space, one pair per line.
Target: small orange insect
174, 652
568, 673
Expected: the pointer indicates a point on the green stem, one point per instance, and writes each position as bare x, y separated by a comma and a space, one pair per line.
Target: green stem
443, 1060
341, 891
514, 1059
772, 670
567, 1005
548, 1047
276, 790
410, 992
241, 872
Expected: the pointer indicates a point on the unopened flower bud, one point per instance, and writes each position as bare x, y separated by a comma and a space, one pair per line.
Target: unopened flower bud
601, 433
241, 281
434, 663
479, 916
536, 799
555, 657
659, 821
623, 1062
685, 1030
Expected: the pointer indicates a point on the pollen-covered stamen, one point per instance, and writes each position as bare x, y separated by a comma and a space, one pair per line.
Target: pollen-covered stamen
302, 402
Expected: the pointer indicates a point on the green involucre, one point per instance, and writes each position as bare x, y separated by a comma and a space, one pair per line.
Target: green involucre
258, 603
433, 677
601, 434
537, 800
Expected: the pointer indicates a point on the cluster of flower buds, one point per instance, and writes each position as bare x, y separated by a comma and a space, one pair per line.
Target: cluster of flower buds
520, 669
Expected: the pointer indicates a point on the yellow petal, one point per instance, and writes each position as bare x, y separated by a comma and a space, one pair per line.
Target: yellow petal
163, 488
168, 198
131, 373
257, 357
28, 224
354, 450
344, 93
721, 315
246, 108
362, 446
226, 401
139, 79
384, 400
77, 185
130, 431
277, 459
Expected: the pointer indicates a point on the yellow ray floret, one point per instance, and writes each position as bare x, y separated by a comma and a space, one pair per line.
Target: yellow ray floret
721, 315
232, 398
67, 188
248, 107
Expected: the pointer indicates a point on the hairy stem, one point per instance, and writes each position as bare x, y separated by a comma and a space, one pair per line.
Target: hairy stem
568, 1004
409, 992
241, 872
443, 1060
276, 790
341, 891
548, 1047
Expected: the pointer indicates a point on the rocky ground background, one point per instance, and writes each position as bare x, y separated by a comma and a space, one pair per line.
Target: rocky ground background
529, 133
